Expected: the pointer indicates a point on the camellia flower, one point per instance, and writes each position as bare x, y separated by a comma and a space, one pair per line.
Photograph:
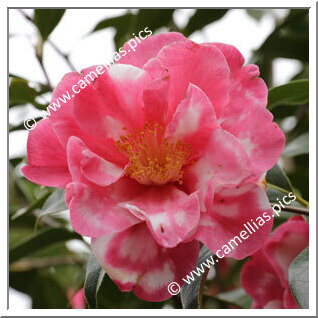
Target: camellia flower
77, 300
163, 150
264, 276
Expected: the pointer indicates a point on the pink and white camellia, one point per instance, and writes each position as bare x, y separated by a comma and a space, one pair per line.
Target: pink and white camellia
264, 276
162, 151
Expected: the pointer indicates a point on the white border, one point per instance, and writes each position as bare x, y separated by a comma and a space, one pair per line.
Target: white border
312, 161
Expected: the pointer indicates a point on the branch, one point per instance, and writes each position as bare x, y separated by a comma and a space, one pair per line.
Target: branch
40, 60
65, 56
25, 15
203, 280
295, 210
28, 264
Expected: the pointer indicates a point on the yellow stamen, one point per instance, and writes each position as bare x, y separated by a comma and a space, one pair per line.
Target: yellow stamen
152, 159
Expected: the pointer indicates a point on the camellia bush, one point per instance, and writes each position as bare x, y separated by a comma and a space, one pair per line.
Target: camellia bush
171, 164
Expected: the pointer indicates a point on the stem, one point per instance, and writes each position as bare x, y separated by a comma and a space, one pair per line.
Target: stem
25, 15
225, 303
28, 264
298, 197
65, 56
39, 58
295, 210
202, 287
38, 50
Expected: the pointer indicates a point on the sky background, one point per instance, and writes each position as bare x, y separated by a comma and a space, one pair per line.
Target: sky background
72, 36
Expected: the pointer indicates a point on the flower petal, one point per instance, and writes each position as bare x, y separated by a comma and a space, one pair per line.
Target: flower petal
156, 100
95, 211
170, 213
112, 102
148, 48
193, 121
289, 301
262, 139
245, 115
64, 125
156, 69
260, 281
134, 261
245, 85
224, 162
288, 241
93, 167
46, 158
205, 67
232, 209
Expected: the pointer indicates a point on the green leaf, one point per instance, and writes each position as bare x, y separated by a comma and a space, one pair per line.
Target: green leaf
277, 177
34, 205
46, 20
298, 278
20, 92
129, 23
122, 24
45, 291
274, 194
201, 18
190, 293
54, 203
298, 146
292, 93
94, 276
236, 297
256, 14
43, 239
290, 39
153, 19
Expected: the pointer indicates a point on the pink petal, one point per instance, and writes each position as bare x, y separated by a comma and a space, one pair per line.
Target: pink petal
262, 139
48, 176
93, 167
233, 56
260, 282
232, 209
46, 158
205, 67
78, 300
224, 162
112, 103
156, 101
289, 301
170, 213
246, 87
95, 211
64, 125
245, 115
288, 241
193, 121
148, 48
274, 304
135, 262
156, 69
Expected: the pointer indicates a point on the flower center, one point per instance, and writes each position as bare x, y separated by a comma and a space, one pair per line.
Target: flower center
152, 159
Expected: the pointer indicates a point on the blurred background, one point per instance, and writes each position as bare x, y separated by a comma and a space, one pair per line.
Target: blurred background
47, 260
